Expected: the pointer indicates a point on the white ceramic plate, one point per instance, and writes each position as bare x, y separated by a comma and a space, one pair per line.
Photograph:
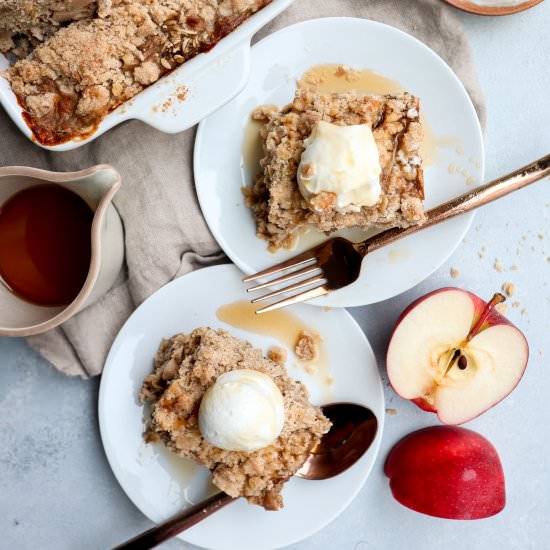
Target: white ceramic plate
160, 484
277, 61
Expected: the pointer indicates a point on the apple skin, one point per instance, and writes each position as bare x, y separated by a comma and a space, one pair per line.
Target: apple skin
423, 404
447, 472
494, 318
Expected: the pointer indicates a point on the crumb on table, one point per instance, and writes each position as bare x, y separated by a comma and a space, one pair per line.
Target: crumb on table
509, 288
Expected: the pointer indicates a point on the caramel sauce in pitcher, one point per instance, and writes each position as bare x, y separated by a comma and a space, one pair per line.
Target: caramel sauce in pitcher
45, 244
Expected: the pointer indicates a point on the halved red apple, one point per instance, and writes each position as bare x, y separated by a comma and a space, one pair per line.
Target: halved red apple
453, 354
447, 472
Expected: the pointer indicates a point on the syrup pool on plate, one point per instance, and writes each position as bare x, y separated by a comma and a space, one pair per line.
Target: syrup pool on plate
284, 327
45, 244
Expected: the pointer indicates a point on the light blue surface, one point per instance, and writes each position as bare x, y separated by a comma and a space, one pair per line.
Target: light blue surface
56, 489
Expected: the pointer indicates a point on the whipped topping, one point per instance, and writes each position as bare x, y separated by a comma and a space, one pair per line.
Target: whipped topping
340, 168
242, 411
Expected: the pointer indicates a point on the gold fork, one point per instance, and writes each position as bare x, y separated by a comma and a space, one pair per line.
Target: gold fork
336, 263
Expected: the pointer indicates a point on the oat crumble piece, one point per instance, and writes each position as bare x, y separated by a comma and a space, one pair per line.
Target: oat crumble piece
280, 211
307, 346
185, 367
454, 273
277, 355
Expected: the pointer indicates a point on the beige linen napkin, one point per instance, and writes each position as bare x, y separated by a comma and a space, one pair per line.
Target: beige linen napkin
165, 233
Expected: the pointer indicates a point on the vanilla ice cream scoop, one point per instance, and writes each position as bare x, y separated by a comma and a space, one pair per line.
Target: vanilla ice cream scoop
340, 168
242, 411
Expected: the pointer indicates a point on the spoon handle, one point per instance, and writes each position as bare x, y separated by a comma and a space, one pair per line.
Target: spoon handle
179, 523
469, 201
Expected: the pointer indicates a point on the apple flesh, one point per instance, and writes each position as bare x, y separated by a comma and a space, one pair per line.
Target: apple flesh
447, 472
453, 354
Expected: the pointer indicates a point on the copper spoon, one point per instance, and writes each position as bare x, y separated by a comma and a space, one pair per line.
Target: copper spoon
353, 430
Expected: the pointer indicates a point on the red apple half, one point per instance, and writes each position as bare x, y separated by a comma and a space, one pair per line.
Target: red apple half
447, 472
453, 354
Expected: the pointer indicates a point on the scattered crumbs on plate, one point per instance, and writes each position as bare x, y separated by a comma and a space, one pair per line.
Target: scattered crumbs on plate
310, 369
460, 150
523, 311
516, 303
454, 273
392, 412
540, 236
329, 380
509, 288
502, 308
514, 267
548, 258
326, 308
498, 266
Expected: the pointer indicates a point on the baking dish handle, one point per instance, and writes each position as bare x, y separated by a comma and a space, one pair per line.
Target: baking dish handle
196, 93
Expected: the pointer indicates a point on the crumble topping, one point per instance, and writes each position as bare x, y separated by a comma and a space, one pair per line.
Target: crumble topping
280, 211
307, 348
185, 367
24, 24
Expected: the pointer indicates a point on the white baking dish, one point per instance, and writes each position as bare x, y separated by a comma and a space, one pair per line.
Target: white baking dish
212, 79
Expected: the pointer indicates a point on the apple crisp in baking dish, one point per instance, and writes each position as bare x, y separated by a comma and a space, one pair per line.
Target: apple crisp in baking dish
186, 366
281, 210
80, 73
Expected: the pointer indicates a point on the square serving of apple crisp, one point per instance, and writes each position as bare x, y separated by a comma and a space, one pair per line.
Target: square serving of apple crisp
279, 209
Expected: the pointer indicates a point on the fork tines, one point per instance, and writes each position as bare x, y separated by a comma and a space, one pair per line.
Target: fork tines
307, 264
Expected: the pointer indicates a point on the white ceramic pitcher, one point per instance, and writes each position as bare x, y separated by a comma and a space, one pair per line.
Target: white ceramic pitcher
96, 186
